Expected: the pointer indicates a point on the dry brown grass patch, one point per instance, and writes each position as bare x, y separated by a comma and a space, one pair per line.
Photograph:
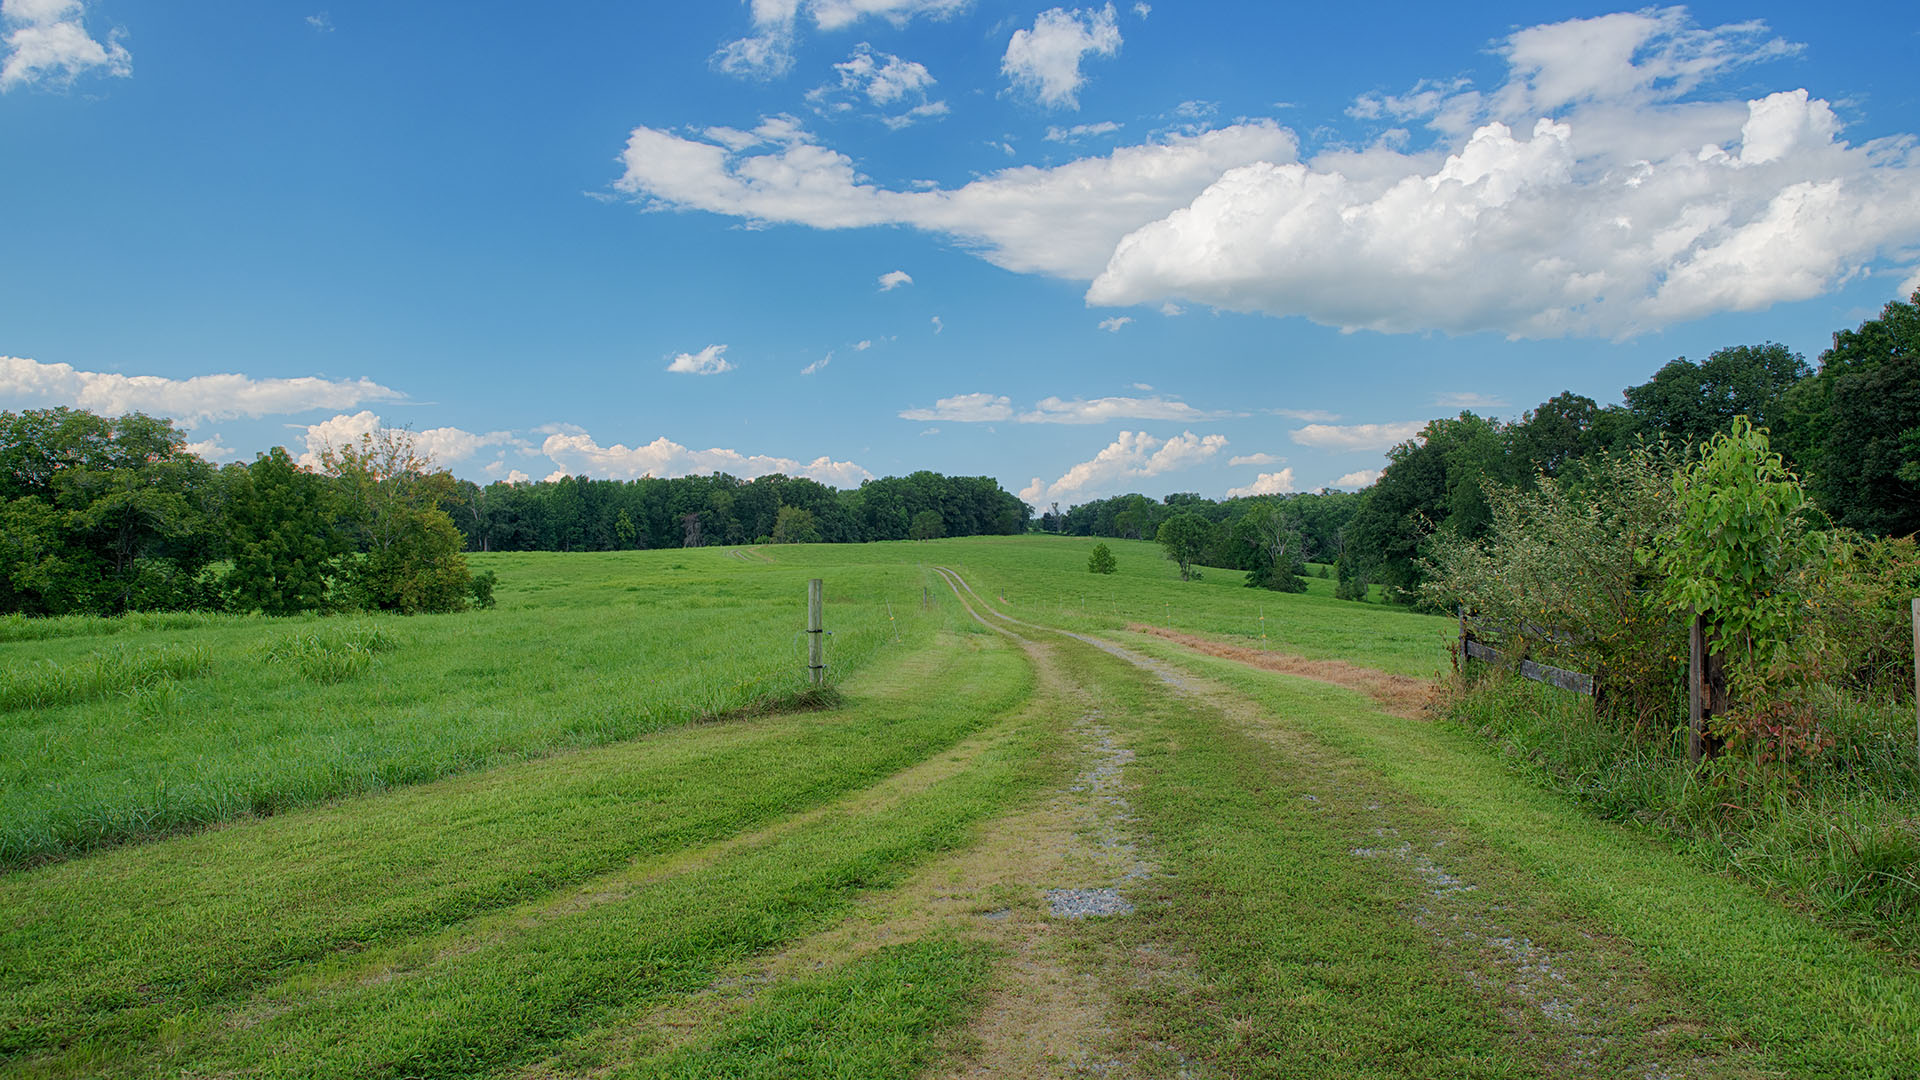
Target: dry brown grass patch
1398, 695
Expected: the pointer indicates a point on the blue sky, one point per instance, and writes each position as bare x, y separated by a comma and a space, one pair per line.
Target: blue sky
1085, 250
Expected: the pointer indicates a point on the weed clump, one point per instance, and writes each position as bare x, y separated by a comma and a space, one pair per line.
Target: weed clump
45, 684
331, 654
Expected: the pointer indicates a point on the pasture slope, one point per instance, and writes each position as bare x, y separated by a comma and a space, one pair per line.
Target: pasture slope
1047, 824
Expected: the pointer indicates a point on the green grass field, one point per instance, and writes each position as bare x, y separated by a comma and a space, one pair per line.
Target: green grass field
587, 833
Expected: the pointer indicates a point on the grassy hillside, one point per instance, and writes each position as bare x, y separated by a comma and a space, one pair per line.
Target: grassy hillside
995, 849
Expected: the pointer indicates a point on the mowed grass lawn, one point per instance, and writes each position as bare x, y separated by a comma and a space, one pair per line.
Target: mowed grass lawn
489, 918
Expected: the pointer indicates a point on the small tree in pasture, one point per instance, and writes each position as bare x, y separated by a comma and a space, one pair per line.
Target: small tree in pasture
1102, 560
1185, 538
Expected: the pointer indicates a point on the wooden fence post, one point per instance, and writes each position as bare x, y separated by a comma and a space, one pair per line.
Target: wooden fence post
1465, 636
816, 651
1696, 677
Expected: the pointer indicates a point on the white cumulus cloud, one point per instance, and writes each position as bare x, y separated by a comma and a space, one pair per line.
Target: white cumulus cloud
47, 44
893, 279
1064, 220
964, 408
1113, 325
212, 449
1358, 478
1131, 456
711, 360
580, 454
1267, 483
1261, 458
1582, 197
817, 365
191, 401
1357, 436
1045, 61
442, 446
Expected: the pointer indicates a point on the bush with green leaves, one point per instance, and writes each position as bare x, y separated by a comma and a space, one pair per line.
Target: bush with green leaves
1573, 559
1102, 560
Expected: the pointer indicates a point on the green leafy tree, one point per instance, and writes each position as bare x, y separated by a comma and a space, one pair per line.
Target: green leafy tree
1739, 539
410, 557
1690, 403
1102, 560
114, 514
1273, 534
1860, 420
1185, 537
927, 525
793, 525
284, 540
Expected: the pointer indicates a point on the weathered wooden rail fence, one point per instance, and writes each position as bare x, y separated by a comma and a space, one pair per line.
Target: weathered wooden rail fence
1480, 639
1706, 671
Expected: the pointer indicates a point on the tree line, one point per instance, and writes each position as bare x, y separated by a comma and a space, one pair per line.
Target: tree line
1848, 427
105, 515
576, 513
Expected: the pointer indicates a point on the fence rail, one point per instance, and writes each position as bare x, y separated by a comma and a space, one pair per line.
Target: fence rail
1473, 648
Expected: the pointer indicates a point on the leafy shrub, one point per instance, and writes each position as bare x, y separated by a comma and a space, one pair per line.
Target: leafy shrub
1573, 559
1102, 560
483, 583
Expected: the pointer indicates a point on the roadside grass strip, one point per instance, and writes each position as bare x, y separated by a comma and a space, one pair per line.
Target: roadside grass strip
477, 918
883, 1015
1731, 980
583, 650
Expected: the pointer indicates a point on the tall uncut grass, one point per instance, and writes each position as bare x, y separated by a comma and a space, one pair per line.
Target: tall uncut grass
1840, 837
102, 746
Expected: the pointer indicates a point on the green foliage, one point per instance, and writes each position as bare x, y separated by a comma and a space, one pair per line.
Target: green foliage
1185, 537
1689, 403
1738, 541
284, 541
483, 583
1102, 560
795, 526
1276, 541
410, 551
1570, 559
101, 515
1857, 624
1864, 417
927, 525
